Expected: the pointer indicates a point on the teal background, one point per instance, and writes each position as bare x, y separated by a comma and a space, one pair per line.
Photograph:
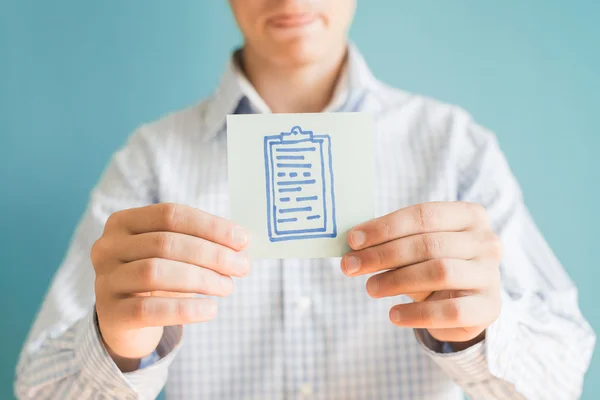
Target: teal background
76, 77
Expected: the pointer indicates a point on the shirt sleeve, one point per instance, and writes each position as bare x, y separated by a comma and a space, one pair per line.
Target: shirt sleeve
64, 356
541, 345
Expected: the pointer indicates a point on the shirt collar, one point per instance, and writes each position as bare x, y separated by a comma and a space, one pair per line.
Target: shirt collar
234, 86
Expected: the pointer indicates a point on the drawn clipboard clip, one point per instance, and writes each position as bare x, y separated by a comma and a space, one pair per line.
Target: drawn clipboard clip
299, 186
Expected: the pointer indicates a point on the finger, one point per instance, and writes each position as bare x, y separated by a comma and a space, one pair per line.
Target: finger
183, 248
465, 333
141, 312
168, 217
159, 274
458, 335
415, 249
417, 219
163, 293
433, 275
474, 310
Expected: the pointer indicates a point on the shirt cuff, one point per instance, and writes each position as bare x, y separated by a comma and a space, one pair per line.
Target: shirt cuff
149, 360
98, 368
492, 357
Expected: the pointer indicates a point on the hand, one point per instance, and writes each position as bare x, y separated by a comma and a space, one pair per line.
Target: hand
445, 256
150, 262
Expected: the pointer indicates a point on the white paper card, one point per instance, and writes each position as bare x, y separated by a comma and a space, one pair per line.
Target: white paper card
299, 182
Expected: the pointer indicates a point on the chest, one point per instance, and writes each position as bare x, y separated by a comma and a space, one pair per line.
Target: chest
302, 326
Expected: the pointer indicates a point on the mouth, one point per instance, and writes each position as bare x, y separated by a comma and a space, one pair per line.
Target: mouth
300, 20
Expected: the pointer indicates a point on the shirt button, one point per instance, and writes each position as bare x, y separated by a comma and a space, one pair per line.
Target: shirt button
305, 391
303, 304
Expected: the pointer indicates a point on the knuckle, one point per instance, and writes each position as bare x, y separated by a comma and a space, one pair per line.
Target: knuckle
495, 245
479, 212
199, 279
149, 272
425, 217
163, 242
394, 279
423, 312
213, 224
113, 220
170, 215
216, 229
101, 305
442, 271
94, 256
387, 228
98, 251
218, 256
99, 286
141, 310
185, 311
430, 246
453, 311
379, 255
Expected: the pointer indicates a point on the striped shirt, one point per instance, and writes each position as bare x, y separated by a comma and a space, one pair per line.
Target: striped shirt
301, 329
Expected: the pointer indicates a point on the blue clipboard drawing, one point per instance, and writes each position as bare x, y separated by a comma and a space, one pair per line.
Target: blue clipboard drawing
299, 186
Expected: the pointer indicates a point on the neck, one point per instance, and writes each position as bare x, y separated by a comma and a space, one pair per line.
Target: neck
294, 89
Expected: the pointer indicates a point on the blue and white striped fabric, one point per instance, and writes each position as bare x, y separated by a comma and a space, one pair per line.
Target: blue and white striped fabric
300, 329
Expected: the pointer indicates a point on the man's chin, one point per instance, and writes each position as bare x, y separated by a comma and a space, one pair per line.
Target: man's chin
300, 54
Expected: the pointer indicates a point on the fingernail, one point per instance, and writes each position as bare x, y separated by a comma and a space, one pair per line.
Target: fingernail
357, 238
238, 261
351, 264
373, 286
395, 315
226, 283
239, 237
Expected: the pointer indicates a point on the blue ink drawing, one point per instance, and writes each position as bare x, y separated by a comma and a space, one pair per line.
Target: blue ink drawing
299, 186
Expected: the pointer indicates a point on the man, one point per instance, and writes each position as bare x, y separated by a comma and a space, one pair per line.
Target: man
443, 311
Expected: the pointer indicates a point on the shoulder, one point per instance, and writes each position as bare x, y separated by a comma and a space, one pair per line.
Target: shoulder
425, 118
187, 124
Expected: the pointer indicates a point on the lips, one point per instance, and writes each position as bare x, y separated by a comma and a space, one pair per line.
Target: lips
292, 20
